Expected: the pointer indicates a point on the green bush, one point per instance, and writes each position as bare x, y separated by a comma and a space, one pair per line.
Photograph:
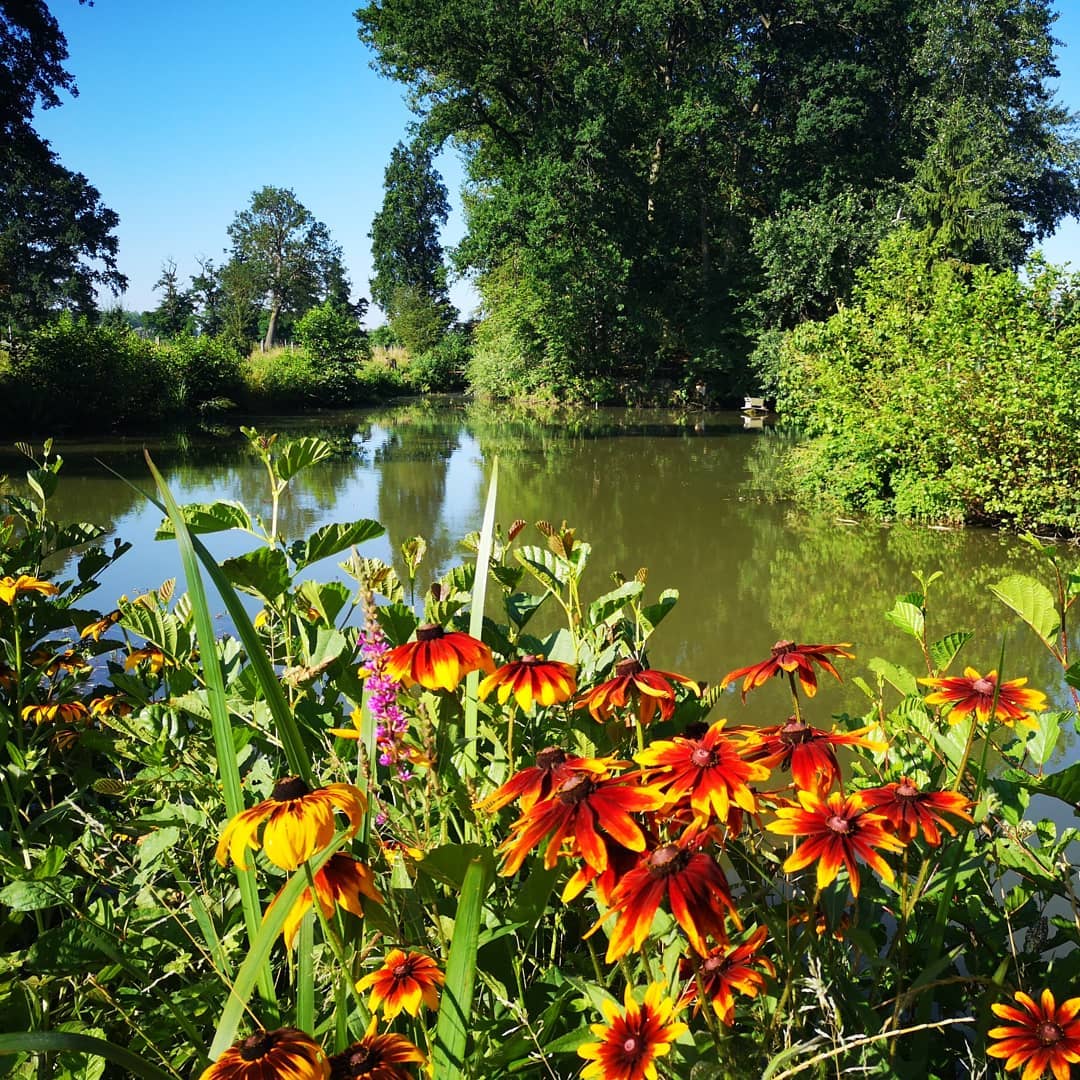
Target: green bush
205, 369
945, 392
284, 378
331, 334
441, 369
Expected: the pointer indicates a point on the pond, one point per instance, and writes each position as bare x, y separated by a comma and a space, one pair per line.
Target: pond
687, 496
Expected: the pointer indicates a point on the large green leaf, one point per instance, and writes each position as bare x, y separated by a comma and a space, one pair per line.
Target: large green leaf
1033, 602
654, 614
52, 1042
301, 453
207, 518
943, 652
1044, 739
1064, 785
551, 571
895, 675
908, 617
331, 539
263, 572
603, 607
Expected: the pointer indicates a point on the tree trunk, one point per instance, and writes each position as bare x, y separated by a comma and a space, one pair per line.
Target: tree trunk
268, 341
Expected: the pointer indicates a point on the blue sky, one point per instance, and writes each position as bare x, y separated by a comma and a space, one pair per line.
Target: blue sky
186, 108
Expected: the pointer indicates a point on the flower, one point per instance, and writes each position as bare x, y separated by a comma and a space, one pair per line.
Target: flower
552, 767
282, 1053
907, 809
10, 587
299, 822
152, 656
727, 968
694, 886
532, 680
789, 657
376, 1057
110, 705
632, 1039
575, 809
100, 626
838, 829
975, 693
405, 981
340, 881
1042, 1034
437, 659
60, 712
647, 689
807, 751
709, 771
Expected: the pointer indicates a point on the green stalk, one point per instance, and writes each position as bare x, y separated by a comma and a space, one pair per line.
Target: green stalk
52, 1042
305, 976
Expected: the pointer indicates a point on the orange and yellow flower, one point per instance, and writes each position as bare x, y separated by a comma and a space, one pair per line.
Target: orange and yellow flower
111, 705
975, 693
11, 587
788, 657
907, 809
532, 680
838, 829
577, 810
376, 1057
405, 981
694, 886
57, 712
282, 1053
644, 689
1039, 1035
632, 1038
100, 626
807, 751
299, 823
437, 659
725, 969
154, 658
709, 772
552, 767
341, 881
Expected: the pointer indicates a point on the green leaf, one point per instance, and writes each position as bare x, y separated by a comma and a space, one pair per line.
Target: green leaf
299, 454
896, 676
52, 1042
263, 572
331, 539
207, 518
38, 895
1033, 602
908, 618
397, 621
156, 843
652, 615
68, 949
602, 608
1044, 739
943, 652
1064, 785
521, 607
547, 568
450, 863
455, 1008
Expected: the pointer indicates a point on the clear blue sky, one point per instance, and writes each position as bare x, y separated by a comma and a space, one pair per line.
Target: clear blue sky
186, 108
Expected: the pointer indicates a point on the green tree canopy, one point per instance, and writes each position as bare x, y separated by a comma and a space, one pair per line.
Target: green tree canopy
173, 315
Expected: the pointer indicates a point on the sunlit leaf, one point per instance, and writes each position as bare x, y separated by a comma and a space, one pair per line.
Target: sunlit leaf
299, 454
907, 617
207, 518
602, 608
334, 538
943, 652
1033, 602
1043, 741
263, 572
895, 675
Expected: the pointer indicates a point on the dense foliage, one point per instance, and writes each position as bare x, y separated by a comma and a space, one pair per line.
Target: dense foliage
671, 892
943, 392
636, 168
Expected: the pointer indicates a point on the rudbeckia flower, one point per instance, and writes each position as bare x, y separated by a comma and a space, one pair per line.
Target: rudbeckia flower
807, 751
1039, 1035
299, 823
282, 1053
694, 886
789, 657
150, 655
632, 1039
838, 830
725, 969
10, 587
405, 981
532, 680
376, 1057
907, 809
975, 693
577, 810
437, 659
110, 705
58, 712
708, 772
100, 626
644, 689
552, 767
341, 881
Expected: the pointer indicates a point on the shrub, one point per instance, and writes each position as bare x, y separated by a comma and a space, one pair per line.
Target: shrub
442, 367
206, 369
331, 334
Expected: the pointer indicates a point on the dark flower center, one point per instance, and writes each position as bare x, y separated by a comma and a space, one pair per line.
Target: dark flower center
289, 787
714, 964
984, 687
669, 859
630, 1045
782, 647
702, 758
530, 658
429, 632
575, 790
403, 971
795, 733
258, 1045
839, 824
360, 1059
625, 668
550, 758
1049, 1033
906, 790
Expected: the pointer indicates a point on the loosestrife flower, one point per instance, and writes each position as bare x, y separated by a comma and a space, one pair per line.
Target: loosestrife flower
282, 1053
975, 693
438, 659
532, 680
909, 810
11, 587
299, 823
341, 881
727, 969
807, 751
1039, 1035
788, 657
632, 1038
646, 690
376, 1057
405, 981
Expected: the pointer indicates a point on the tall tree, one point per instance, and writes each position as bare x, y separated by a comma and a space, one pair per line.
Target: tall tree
173, 315
208, 295
287, 253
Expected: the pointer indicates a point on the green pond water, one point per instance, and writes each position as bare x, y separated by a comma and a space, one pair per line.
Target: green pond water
686, 496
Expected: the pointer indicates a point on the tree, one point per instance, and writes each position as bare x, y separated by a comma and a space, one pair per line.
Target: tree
208, 296
287, 253
173, 315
